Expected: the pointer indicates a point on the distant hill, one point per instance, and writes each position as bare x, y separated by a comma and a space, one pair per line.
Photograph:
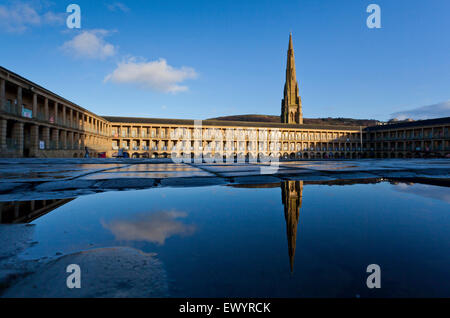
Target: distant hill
316, 121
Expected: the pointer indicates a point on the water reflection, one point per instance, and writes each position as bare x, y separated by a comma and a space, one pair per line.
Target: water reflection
425, 190
154, 227
27, 211
158, 226
291, 195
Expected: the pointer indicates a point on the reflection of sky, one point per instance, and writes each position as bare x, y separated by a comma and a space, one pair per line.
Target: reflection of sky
425, 190
155, 227
240, 246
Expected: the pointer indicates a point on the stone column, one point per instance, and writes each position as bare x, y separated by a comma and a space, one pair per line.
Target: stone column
63, 139
77, 118
3, 123
56, 112
76, 141
71, 140
18, 137
35, 107
19, 101
46, 136
64, 115
71, 117
2, 94
46, 109
55, 138
34, 140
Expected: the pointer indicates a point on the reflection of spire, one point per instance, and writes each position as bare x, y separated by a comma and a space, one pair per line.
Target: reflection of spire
291, 192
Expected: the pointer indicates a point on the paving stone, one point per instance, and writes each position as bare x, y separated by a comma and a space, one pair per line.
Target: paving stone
125, 183
64, 185
192, 182
106, 272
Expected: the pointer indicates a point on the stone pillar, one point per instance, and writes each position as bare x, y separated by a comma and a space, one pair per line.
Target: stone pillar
56, 112
46, 109
63, 139
35, 106
71, 140
46, 136
18, 137
19, 101
55, 138
2, 94
64, 115
71, 117
3, 123
77, 118
34, 140
76, 141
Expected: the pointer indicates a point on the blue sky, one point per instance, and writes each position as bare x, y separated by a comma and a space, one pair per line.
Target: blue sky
202, 59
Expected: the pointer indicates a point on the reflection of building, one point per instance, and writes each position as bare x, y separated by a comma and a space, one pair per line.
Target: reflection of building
291, 193
27, 211
35, 122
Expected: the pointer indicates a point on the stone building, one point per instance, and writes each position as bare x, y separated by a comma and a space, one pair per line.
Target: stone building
34, 122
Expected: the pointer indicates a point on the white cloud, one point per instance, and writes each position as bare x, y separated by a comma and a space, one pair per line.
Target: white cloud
54, 18
118, 6
425, 112
424, 190
19, 17
90, 44
156, 227
154, 75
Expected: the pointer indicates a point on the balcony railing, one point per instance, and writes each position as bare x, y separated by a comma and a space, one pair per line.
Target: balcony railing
12, 109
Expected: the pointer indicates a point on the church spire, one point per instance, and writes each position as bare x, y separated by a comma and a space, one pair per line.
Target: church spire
291, 106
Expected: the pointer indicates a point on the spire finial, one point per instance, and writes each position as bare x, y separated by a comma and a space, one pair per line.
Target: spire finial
291, 47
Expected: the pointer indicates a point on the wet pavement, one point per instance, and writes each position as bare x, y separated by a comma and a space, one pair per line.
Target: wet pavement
27, 179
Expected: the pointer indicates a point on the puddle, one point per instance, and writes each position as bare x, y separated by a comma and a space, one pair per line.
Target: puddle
286, 239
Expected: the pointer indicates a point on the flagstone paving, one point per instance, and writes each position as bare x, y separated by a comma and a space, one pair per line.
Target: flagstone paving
25, 179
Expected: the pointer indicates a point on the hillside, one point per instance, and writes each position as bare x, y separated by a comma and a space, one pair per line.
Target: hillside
316, 121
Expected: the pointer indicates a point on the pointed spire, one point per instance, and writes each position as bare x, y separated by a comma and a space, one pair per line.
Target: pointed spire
291, 110
291, 46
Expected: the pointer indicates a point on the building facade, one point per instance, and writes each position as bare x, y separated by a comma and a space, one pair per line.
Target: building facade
35, 122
